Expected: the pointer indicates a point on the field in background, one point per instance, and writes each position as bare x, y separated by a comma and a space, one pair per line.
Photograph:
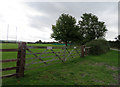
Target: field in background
15, 45
31, 61
90, 70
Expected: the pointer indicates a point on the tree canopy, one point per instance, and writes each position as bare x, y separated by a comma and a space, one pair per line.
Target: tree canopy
65, 29
91, 27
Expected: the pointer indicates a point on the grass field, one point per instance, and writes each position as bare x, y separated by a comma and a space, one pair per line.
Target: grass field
90, 70
13, 55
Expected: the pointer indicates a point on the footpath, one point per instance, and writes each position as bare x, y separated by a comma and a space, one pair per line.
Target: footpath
115, 49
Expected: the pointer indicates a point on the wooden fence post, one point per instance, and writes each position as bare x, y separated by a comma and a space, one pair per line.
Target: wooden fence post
86, 51
82, 51
21, 59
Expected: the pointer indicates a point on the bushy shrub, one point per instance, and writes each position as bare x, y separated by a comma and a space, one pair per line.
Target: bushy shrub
98, 46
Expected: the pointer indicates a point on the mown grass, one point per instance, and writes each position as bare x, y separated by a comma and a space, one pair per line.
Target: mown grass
13, 55
90, 70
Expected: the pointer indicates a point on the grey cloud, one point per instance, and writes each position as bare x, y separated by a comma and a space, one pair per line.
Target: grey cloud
39, 21
111, 35
76, 9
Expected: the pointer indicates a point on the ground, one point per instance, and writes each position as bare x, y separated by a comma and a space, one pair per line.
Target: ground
90, 70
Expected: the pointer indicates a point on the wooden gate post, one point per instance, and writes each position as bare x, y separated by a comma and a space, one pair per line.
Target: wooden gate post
82, 51
21, 59
86, 51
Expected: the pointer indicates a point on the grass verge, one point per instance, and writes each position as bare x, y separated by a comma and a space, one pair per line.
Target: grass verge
90, 70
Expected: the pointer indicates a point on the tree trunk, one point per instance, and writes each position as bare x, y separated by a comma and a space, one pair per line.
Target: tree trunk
66, 43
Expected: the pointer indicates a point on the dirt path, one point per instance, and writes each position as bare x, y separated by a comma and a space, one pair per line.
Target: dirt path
114, 49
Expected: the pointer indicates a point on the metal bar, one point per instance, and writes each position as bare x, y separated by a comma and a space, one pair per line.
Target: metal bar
32, 47
57, 55
40, 57
42, 53
36, 55
77, 52
41, 62
69, 52
36, 47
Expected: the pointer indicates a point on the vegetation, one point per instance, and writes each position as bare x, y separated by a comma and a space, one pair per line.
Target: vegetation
40, 41
116, 43
118, 38
88, 29
91, 27
65, 29
91, 70
13, 55
98, 46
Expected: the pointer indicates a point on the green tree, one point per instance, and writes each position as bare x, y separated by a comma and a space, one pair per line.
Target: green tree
65, 29
40, 41
91, 28
117, 42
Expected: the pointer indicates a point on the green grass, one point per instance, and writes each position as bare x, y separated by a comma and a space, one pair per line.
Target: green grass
13, 55
15, 45
90, 70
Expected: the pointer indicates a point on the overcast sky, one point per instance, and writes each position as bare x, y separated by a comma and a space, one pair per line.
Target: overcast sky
34, 19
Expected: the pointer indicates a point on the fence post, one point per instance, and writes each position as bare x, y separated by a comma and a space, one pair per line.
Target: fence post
21, 59
86, 51
82, 51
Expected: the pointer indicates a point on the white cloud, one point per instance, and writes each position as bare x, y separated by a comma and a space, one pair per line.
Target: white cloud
17, 14
34, 19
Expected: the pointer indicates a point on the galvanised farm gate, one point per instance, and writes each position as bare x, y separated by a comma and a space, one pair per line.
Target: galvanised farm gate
31, 57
